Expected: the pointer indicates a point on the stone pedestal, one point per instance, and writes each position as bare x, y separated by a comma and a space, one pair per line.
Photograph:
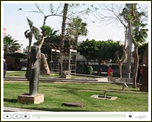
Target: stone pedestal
26, 98
66, 74
144, 86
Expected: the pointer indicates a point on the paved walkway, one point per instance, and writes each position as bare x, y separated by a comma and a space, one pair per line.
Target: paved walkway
103, 79
77, 79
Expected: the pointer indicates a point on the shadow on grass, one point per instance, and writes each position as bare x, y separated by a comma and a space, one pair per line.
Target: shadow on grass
70, 88
58, 109
10, 100
112, 90
124, 91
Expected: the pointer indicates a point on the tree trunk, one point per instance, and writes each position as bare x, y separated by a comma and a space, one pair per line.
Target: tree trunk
76, 42
41, 42
120, 61
136, 66
124, 56
120, 69
44, 65
65, 10
69, 63
129, 47
136, 59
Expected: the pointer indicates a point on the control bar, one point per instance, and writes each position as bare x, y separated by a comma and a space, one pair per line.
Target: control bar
79, 116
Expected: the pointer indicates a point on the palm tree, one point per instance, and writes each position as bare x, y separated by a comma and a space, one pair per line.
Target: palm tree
76, 28
10, 45
62, 39
140, 32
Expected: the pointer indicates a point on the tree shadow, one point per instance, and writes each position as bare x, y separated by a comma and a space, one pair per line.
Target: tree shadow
70, 88
10, 100
124, 91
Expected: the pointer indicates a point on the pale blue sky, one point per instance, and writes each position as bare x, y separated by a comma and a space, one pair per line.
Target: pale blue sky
16, 24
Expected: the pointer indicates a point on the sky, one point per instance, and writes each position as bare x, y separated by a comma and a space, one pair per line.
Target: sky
16, 24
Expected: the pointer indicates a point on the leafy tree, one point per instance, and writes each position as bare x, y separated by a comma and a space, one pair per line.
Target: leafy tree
133, 20
87, 49
99, 50
140, 32
116, 16
76, 28
65, 11
10, 45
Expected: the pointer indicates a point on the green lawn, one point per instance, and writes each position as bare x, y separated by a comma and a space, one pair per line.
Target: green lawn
129, 100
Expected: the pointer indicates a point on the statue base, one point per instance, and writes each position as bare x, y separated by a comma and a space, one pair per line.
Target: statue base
35, 99
66, 74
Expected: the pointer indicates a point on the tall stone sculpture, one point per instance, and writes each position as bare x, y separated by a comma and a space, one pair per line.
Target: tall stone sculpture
34, 69
32, 74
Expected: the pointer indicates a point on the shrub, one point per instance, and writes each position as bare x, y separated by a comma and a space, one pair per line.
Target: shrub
89, 70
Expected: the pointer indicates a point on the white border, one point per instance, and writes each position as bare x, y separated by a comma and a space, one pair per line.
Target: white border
89, 116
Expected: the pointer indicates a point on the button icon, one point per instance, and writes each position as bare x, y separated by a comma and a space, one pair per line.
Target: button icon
7, 116
25, 116
130, 116
16, 116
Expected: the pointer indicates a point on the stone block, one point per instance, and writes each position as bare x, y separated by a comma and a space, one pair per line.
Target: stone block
66, 74
35, 99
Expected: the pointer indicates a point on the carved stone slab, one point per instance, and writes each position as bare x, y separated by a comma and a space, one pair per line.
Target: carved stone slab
26, 98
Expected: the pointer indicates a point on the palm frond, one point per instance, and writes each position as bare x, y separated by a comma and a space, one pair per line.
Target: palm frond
36, 33
30, 23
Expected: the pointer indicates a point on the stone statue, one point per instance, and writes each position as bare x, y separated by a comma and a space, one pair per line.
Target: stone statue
33, 69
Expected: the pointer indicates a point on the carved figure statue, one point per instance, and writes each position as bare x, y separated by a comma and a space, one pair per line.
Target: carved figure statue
33, 69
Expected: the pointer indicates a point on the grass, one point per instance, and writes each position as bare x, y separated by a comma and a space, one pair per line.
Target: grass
129, 100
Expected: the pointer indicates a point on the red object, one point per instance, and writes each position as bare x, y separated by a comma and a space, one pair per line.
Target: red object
109, 70
4, 31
